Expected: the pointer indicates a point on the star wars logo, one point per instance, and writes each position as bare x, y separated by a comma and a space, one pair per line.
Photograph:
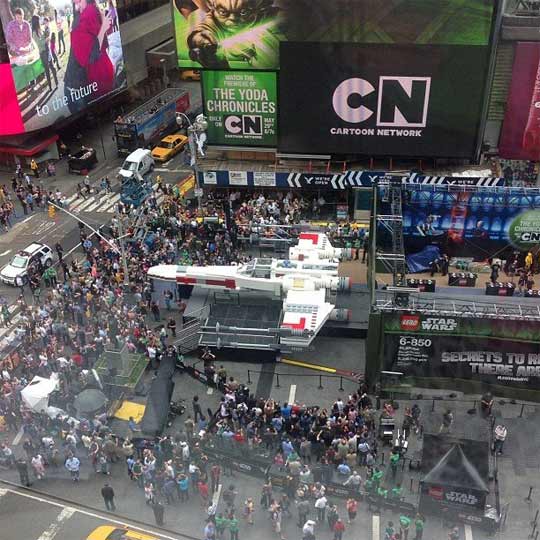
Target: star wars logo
248, 124
461, 498
439, 324
398, 102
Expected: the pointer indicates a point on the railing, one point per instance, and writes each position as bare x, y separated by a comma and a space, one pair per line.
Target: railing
187, 338
319, 375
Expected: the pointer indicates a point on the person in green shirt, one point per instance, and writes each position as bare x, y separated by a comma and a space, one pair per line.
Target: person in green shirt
404, 524
396, 492
382, 492
376, 477
389, 531
221, 525
394, 460
419, 522
233, 527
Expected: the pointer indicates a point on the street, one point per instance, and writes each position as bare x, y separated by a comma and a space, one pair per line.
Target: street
96, 210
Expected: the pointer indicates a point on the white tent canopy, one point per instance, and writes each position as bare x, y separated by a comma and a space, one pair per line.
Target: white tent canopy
36, 394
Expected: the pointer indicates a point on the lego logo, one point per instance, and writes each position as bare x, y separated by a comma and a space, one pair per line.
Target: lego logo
410, 322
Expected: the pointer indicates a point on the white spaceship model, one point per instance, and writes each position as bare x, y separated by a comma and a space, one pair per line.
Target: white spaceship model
302, 284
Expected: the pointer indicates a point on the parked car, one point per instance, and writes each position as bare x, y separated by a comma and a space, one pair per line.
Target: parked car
82, 161
190, 75
111, 532
24, 260
169, 146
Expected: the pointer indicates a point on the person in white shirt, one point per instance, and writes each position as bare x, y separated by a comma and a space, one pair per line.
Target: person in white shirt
308, 530
500, 434
320, 505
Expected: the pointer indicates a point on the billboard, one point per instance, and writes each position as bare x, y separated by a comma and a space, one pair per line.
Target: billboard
246, 34
420, 100
520, 137
64, 55
472, 223
241, 107
493, 351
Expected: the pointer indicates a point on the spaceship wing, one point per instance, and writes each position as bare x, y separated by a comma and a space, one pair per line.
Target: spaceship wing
304, 312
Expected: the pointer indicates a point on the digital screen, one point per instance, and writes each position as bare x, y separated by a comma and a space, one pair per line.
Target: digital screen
63, 56
406, 100
520, 137
241, 107
246, 34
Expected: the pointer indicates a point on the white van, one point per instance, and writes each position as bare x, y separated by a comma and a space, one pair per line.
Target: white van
139, 161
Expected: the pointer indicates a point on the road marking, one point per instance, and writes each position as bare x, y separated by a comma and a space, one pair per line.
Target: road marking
106, 518
111, 202
316, 367
468, 532
217, 494
54, 528
292, 394
376, 527
18, 437
5, 252
28, 218
86, 203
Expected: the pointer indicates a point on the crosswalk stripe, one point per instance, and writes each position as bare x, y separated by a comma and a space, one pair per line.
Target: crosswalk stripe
98, 202
80, 205
77, 203
376, 527
110, 203
54, 528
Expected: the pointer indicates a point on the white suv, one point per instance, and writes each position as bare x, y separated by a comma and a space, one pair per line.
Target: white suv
22, 261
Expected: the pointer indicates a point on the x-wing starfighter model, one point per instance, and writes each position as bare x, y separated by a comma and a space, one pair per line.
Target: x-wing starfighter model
303, 283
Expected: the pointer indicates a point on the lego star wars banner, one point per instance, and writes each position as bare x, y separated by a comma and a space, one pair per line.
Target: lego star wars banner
245, 34
409, 100
520, 137
493, 351
63, 54
241, 107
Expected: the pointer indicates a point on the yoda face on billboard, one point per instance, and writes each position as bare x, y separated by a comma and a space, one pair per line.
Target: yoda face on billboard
232, 31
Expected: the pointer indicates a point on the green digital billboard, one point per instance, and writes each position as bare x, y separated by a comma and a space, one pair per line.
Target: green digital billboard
241, 107
246, 34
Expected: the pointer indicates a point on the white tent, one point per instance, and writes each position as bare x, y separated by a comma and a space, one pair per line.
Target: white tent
36, 394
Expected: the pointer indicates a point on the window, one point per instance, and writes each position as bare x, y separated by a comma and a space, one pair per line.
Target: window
19, 262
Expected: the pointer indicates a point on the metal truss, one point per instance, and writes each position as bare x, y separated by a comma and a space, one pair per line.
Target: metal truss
459, 308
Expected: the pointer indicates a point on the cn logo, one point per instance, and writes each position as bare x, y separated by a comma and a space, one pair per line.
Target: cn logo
401, 101
244, 125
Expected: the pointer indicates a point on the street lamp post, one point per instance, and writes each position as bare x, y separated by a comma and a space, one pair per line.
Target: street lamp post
197, 137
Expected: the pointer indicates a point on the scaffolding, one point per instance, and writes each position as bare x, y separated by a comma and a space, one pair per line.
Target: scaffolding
446, 306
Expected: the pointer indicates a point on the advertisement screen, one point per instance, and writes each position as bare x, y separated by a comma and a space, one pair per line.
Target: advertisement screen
64, 55
493, 351
246, 34
520, 137
241, 107
420, 100
477, 224
9, 106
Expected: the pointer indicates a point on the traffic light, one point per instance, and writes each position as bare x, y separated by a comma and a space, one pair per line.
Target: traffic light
52, 211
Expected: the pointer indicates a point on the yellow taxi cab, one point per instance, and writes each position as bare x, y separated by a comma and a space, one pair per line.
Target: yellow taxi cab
110, 532
169, 146
190, 75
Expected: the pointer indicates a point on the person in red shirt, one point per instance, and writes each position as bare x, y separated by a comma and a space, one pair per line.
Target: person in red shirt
215, 475
352, 508
339, 529
202, 486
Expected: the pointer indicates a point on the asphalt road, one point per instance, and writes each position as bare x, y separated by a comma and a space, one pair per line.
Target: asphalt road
96, 210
